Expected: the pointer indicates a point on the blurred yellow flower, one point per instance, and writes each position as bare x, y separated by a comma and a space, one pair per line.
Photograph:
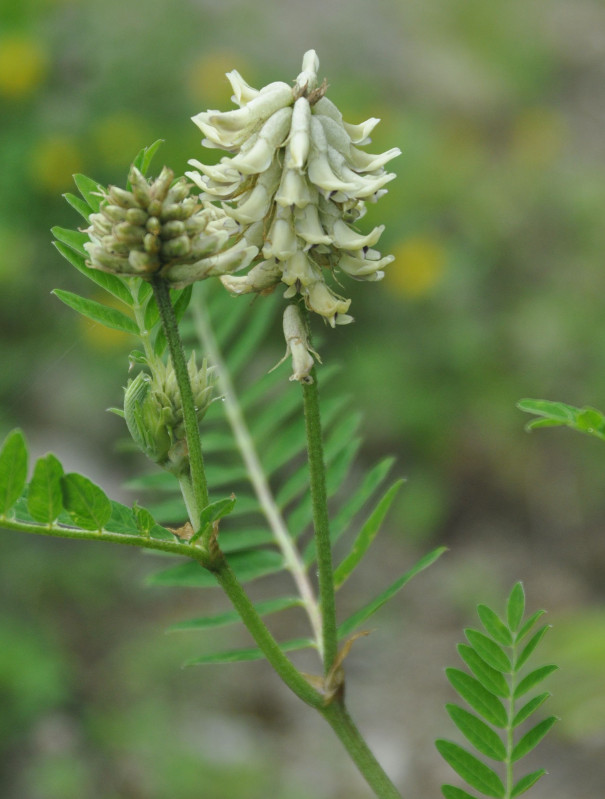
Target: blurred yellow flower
117, 138
538, 136
22, 65
419, 265
205, 77
53, 161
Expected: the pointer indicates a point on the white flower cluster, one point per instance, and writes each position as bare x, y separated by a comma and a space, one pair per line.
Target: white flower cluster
297, 185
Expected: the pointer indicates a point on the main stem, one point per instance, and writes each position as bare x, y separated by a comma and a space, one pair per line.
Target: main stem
177, 355
321, 522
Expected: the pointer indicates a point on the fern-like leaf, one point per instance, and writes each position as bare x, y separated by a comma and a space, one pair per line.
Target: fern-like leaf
496, 658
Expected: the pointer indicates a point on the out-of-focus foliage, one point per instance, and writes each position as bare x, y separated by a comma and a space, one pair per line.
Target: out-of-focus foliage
496, 293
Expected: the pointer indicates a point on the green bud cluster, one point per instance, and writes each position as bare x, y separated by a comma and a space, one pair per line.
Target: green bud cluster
154, 413
297, 185
157, 228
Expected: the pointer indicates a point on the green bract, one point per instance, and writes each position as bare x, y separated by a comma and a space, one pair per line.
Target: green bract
297, 185
157, 229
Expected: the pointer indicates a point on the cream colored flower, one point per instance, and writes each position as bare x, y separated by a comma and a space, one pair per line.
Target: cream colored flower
157, 228
297, 185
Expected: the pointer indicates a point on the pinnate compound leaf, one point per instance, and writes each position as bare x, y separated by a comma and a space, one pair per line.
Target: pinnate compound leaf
472, 770
451, 792
233, 617
368, 610
45, 497
482, 737
90, 190
515, 607
239, 655
494, 625
533, 678
13, 470
111, 283
489, 677
531, 706
525, 783
480, 699
366, 536
529, 624
85, 502
110, 317
491, 653
532, 738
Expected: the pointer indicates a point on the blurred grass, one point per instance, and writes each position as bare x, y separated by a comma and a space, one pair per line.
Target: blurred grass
496, 292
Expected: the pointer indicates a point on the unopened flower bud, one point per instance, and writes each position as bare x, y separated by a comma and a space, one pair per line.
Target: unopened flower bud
159, 229
297, 345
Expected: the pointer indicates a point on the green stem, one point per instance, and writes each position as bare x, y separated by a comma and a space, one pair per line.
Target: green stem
345, 728
321, 523
257, 628
177, 355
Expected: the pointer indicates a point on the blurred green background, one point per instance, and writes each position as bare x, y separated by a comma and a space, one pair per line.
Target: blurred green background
496, 294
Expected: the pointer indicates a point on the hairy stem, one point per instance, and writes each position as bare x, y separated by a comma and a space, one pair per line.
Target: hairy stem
321, 523
292, 558
345, 728
199, 500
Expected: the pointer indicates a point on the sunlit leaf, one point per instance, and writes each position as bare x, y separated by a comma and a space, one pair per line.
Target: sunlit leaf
490, 678
515, 607
78, 205
531, 645
529, 708
527, 625
111, 283
494, 625
145, 156
74, 239
532, 679
525, 783
90, 190
489, 651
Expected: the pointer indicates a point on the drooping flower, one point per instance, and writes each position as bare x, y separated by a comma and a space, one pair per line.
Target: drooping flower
157, 228
297, 185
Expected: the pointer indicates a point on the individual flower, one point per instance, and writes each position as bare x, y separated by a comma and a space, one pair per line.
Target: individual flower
154, 413
157, 228
297, 345
297, 184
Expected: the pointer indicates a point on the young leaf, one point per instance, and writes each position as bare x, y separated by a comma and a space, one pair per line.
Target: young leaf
90, 190
472, 770
494, 625
525, 783
515, 607
532, 738
111, 283
530, 646
239, 655
110, 317
368, 610
488, 650
533, 678
144, 157
212, 513
45, 498
451, 792
144, 519
490, 678
366, 536
233, 617
482, 737
85, 502
531, 706
480, 699
13, 470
